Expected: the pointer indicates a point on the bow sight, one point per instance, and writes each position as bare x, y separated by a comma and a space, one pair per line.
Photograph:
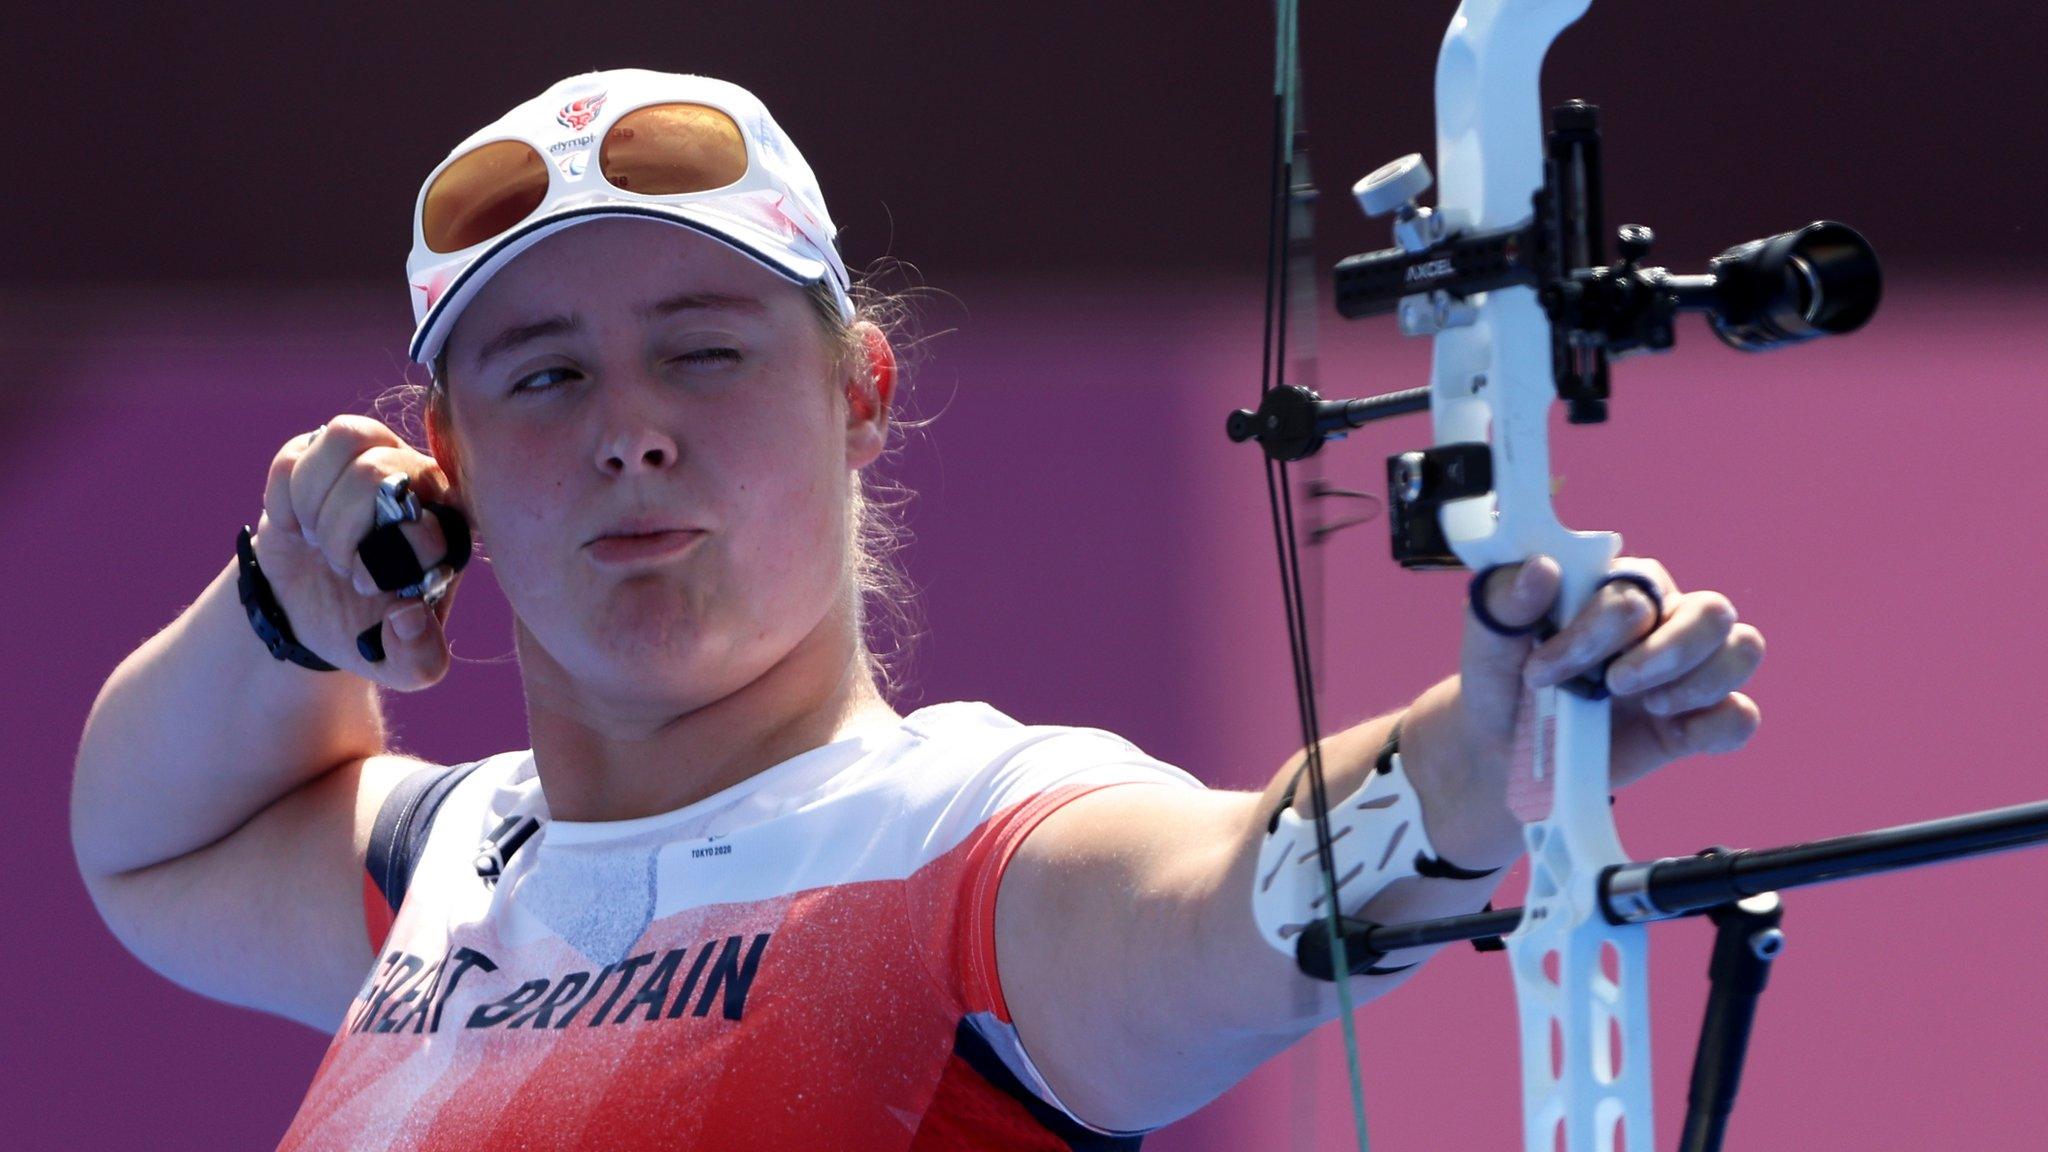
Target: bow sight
1821, 280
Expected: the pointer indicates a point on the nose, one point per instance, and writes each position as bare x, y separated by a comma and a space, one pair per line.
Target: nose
636, 449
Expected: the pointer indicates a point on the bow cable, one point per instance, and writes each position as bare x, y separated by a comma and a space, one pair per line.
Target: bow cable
1288, 257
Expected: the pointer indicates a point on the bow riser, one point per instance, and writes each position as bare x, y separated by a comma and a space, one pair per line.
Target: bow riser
1580, 982
1489, 116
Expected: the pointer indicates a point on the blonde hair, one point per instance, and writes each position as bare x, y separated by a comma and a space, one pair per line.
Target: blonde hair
885, 609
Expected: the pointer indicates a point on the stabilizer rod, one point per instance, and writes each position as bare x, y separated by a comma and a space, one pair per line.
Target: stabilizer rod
1689, 885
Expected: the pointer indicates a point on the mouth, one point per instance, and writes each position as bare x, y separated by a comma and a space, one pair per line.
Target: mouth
637, 529
630, 547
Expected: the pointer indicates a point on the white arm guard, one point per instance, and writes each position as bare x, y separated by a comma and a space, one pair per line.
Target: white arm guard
1376, 837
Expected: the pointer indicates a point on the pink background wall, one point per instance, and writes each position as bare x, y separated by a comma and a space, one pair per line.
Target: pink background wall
1093, 551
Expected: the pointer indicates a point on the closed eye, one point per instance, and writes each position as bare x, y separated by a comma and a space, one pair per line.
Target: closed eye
702, 356
708, 355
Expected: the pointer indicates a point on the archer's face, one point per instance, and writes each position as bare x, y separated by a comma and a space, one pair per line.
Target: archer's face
687, 385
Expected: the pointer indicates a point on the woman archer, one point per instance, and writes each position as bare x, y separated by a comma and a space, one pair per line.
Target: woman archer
730, 896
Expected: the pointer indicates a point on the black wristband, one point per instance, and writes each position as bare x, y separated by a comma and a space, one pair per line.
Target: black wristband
266, 615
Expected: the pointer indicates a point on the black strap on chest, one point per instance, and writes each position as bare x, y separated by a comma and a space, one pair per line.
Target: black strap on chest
400, 833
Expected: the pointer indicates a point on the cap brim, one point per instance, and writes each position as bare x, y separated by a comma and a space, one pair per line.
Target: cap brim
765, 250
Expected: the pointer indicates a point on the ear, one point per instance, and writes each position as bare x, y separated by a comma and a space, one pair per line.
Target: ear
441, 446
870, 388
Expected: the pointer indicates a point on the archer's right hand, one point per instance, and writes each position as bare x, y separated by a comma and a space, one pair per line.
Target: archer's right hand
319, 504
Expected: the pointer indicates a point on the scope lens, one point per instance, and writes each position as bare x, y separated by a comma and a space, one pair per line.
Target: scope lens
1807, 282
1821, 280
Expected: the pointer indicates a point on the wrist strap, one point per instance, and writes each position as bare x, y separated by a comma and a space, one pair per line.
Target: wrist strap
1438, 868
266, 615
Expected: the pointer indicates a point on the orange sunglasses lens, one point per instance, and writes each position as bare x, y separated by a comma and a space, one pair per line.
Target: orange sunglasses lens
659, 150
482, 194
669, 149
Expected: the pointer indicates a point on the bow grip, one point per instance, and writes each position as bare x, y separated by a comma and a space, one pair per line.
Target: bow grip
1590, 685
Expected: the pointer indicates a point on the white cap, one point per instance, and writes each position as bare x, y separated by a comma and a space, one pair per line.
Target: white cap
774, 213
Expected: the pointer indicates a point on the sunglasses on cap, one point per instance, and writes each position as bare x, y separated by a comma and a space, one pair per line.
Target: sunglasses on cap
700, 152
657, 150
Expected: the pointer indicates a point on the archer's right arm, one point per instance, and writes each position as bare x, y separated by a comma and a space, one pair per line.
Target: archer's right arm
222, 799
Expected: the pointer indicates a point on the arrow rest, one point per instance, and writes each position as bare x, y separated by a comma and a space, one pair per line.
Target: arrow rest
1321, 491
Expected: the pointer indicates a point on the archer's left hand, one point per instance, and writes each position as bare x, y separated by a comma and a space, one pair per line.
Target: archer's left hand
1673, 679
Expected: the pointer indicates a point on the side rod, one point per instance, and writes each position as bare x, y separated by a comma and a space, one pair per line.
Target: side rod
1688, 885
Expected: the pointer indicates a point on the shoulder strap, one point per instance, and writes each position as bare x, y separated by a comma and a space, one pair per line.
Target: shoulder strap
400, 833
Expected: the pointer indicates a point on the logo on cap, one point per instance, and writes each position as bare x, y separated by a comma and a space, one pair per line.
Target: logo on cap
577, 114
431, 291
765, 211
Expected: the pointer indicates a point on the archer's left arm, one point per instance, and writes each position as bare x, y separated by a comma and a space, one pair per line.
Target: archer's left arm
1126, 945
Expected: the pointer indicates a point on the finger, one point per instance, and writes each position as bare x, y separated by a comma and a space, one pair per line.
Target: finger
1651, 567
1696, 628
277, 491
1518, 595
1729, 667
431, 483
415, 647
1616, 617
1647, 743
1725, 727
429, 548
350, 510
429, 541
326, 459
359, 579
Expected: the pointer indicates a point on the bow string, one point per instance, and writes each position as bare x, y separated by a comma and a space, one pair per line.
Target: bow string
1289, 337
